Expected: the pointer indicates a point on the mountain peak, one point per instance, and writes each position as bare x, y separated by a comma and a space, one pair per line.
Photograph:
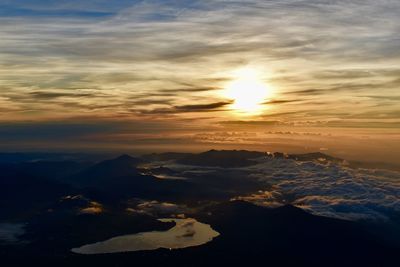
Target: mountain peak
222, 158
122, 161
123, 165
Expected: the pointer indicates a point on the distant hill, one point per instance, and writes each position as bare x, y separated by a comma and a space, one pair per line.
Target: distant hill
18, 157
23, 194
165, 156
57, 170
121, 178
235, 158
123, 165
222, 158
289, 236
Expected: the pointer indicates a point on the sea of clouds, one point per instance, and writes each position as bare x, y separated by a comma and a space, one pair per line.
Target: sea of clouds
331, 190
326, 189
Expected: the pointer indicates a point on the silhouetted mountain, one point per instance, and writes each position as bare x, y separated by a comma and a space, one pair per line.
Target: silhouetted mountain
279, 155
235, 158
22, 194
222, 158
249, 236
71, 230
123, 165
114, 197
121, 178
165, 156
18, 157
29, 157
289, 236
53, 169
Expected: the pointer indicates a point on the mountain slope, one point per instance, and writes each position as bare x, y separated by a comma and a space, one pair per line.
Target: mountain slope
121, 178
222, 158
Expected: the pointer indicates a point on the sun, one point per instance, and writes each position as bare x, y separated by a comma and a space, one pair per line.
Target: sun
248, 91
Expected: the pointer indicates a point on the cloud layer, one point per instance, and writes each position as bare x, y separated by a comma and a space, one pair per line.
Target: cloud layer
151, 55
331, 64
329, 190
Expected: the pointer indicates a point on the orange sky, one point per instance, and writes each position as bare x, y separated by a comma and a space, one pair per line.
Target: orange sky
158, 75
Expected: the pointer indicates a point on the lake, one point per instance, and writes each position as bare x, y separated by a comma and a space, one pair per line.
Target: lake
186, 233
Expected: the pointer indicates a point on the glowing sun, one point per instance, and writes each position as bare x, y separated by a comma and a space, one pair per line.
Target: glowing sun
247, 91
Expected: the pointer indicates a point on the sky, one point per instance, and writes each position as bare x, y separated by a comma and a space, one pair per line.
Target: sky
172, 75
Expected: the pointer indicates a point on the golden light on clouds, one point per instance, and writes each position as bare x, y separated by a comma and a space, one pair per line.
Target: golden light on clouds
248, 91
154, 75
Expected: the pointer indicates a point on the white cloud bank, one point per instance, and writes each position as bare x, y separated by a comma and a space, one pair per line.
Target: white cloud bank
329, 190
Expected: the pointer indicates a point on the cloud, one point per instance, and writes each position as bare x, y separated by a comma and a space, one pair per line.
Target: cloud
281, 101
202, 107
70, 8
91, 210
49, 95
209, 107
140, 62
269, 199
332, 190
30, 131
250, 122
155, 208
82, 204
131, 49
328, 189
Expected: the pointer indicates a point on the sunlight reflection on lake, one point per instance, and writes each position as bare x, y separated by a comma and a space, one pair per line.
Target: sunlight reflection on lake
186, 233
